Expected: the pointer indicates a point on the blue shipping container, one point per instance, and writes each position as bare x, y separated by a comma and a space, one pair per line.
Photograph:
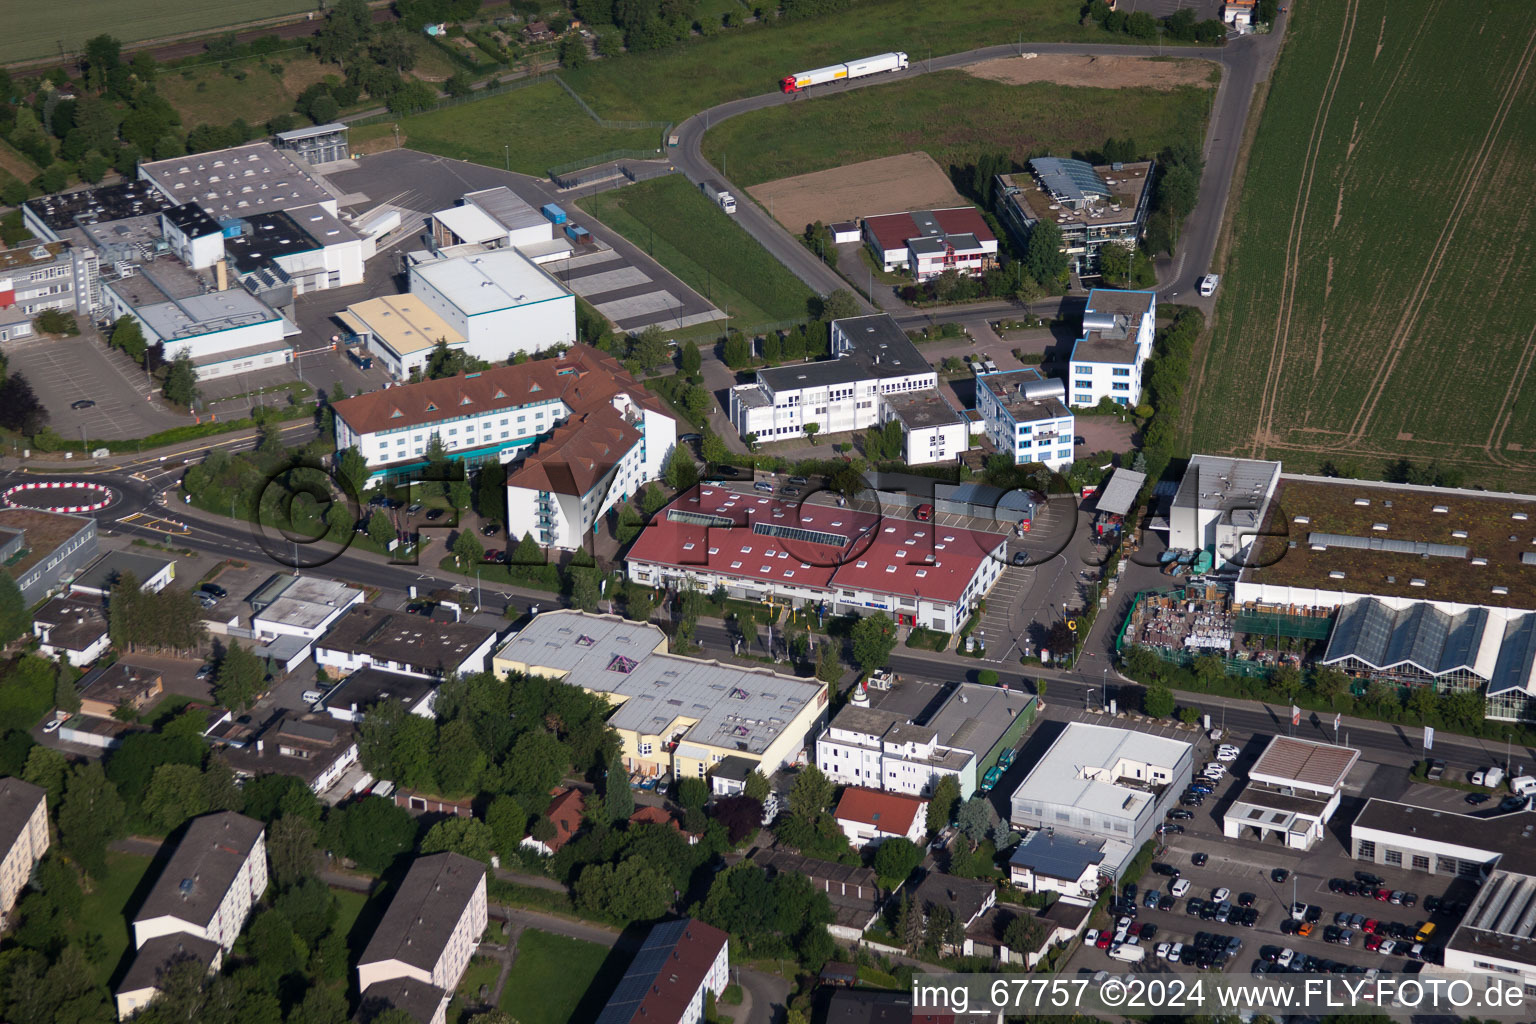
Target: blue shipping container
554, 213
577, 234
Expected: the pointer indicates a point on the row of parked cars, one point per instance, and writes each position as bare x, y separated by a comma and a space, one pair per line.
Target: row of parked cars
1371, 886
1278, 960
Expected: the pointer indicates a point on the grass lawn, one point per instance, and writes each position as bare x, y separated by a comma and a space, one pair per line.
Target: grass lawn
954, 117
1373, 251
549, 977
482, 970
542, 124
210, 95
72, 22
697, 241
105, 910
349, 904
674, 83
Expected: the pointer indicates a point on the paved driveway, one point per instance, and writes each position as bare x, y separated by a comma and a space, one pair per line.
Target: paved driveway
66, 370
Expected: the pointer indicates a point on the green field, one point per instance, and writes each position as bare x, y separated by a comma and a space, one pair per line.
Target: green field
72, 22
104, 912
542, 124
1381, 252
550, 976
697, 241
954, 117
672, 84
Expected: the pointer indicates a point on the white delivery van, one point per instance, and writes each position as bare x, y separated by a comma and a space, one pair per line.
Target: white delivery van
1208, 284
1524, 785
1489, 777
1129, 954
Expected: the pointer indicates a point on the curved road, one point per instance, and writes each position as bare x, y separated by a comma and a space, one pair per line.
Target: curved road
1245, 61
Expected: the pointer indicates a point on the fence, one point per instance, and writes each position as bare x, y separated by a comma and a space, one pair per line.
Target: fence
458, 101
604, 122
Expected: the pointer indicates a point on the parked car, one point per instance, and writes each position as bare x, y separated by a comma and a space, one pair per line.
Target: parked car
434, 514
1091, 937
690, 438
52, 725
800, 480
414, 509
1368, 879
764, 486
1279, 875
1246, 899
1179, 814
726, 470
790, 492
84, 403
1477, 798
214, 590
1222, 894
1166, 903
1226, 752
1170, 828
490, 529
1199, 859
1179, 888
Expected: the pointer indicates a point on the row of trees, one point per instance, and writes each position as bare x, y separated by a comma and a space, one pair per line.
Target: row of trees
1183, 24
1167, 376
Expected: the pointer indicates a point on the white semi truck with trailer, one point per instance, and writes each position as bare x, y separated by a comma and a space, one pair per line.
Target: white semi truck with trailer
885, 62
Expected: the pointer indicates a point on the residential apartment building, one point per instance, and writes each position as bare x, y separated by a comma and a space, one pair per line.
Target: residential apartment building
506, 413
596, 459
45, 275
1026, 416
314, 748
767, 549
677, 714
141, 983
969, 726
430, 931
872, 357
1093, 206
219, 870
1101, 782
666, 983
1118, 327
869, 817
405, 644
23, 838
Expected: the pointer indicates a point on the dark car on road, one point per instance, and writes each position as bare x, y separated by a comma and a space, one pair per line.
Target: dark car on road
690, 438
1179, 814
1477, 798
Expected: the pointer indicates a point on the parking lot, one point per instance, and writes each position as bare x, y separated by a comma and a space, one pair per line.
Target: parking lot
1249, 867
63, 371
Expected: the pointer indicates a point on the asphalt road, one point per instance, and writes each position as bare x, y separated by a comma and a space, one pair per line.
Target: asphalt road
1245, 62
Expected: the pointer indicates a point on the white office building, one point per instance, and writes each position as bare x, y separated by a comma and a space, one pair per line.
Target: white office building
1025, 415
1118, 328
300, 606
43, 276
872, 357
931, 429
499, 301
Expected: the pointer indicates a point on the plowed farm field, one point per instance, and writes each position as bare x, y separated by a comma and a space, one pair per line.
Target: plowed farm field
1379, 302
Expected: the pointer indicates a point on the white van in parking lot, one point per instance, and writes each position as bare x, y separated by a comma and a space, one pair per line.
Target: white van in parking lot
1129, 954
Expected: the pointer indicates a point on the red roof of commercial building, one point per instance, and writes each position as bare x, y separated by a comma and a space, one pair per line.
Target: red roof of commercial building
899, 557
582, 378
892, 230
892, 813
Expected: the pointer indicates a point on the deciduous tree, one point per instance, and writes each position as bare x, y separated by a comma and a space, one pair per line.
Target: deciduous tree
238, 678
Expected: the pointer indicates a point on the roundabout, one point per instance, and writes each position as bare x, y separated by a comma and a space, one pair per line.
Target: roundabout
67, 496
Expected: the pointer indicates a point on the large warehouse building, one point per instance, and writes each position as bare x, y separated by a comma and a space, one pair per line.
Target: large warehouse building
499, 302
675, 714
766, 549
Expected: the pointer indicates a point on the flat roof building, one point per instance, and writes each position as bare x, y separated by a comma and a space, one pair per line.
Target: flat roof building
208, 886
1106, 361
932, 430
396, 641
871, 357
683, 715
24, 838
73, 629
1069, 864
41, 276
153, 572
1092, 205
239, 181
349, 699
499, 301
103, 690
1025, 416
316, 749
401, 330
1292, 791
317, 144
301, 606
1219, 505
42, 549
666, 982
50, 217
1101, 782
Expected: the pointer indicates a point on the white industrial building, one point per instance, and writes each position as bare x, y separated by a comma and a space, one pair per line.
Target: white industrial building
223, 332
1219, 505
239, 181
401, 331
499, 301
1118, 328
1024, 414
1102, 782
1291, 793
496, 218
872, 357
